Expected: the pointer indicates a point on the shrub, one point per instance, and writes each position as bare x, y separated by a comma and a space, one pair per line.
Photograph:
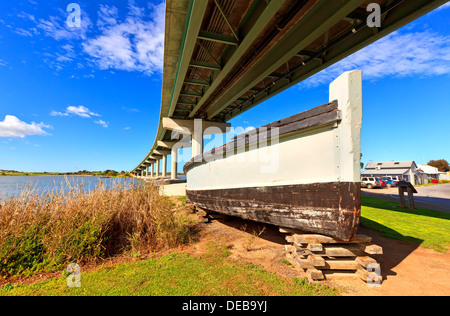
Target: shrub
48, 231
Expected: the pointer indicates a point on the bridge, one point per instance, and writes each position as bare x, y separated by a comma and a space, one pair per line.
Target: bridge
223, 57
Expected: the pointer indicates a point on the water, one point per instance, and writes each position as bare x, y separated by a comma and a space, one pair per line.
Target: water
13, 186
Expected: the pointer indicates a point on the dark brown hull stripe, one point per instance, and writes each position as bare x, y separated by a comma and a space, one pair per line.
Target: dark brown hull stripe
331, 209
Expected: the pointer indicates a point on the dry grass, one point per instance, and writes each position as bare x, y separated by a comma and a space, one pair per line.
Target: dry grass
43, 232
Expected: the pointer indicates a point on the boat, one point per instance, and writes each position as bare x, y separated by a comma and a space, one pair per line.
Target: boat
301, 172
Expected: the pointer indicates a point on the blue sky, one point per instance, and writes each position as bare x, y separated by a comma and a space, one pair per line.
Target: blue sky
89, 97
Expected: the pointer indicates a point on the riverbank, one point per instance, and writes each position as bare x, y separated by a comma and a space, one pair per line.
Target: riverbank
67, 174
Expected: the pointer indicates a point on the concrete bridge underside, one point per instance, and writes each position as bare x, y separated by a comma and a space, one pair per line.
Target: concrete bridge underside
223, 57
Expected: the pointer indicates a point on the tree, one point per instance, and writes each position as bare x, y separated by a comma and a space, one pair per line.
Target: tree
112, 173
441, 164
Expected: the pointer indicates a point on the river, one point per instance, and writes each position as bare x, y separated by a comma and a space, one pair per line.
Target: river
13, 186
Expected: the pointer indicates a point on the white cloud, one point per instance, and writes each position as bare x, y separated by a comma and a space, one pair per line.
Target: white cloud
67, 54
81, 111
135, 44
397, 55
444, 6
56, 113
13, 127
26, 16
102, 123
131, 42
131, 110
57, 28
23, 32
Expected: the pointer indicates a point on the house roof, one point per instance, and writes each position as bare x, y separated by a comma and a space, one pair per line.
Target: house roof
385, 172
391, 165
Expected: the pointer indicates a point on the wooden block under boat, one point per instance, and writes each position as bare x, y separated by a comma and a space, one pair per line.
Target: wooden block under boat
315, 238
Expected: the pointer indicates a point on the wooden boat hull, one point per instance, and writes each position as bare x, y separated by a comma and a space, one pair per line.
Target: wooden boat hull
331, 209
302, 172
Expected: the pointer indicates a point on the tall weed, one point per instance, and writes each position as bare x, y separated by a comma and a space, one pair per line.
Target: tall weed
47, 231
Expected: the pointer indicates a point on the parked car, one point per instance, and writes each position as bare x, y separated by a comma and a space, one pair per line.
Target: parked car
370, 182
396, 179
382, 183
389, 182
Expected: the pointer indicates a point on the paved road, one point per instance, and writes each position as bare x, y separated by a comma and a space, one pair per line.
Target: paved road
438, 195
435, 191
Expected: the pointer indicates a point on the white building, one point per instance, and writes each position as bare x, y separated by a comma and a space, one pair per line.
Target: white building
405, 170
431, 172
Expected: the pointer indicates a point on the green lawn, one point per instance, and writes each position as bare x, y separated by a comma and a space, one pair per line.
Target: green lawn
178, 274
429, 228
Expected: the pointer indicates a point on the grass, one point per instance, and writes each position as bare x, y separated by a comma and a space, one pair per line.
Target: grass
429, 228
178, 274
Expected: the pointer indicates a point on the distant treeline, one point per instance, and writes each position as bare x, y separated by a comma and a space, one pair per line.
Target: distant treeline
107, 173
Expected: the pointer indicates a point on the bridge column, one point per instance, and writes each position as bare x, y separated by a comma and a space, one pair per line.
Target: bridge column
151, 170
174, 166
197, 140
173, 146
146, 172
157, 168
164, 165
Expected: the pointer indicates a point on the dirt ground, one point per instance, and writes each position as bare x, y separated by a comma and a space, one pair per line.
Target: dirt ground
407, 269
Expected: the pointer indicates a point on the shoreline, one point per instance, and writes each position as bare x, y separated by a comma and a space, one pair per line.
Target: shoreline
61, 175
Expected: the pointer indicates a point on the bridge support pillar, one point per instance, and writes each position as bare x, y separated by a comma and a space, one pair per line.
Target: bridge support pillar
157, 168
164, 166
197, 139
151, 170
173, 169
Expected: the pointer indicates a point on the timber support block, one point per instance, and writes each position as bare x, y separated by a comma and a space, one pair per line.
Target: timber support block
324, 258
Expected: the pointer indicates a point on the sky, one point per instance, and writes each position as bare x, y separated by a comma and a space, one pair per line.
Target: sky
88, 97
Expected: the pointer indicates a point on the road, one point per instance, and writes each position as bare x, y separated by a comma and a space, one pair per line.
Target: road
433, 196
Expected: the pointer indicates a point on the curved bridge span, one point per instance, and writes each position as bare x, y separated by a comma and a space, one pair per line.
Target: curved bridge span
223, 57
